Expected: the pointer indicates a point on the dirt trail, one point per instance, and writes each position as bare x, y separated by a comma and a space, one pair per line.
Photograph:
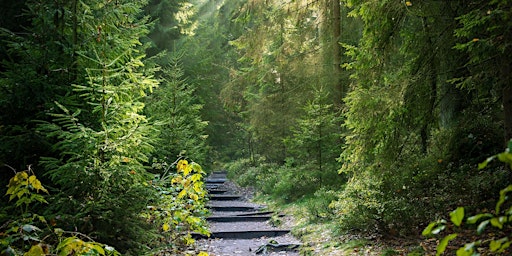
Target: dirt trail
240, 227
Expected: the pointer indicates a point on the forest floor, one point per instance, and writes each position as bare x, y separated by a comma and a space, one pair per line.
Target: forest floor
316, 238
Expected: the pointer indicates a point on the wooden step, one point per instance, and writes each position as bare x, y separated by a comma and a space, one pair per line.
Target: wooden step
244, 234
215, 180
232, 208
217, 197
235, 218
216, 191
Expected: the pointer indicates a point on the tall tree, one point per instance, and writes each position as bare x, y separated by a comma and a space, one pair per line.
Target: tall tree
101, 139
172, 106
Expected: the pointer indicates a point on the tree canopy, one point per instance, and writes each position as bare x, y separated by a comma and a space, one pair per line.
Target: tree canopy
377, 112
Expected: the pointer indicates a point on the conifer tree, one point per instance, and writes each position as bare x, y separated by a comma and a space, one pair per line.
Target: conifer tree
102, 139
173, 106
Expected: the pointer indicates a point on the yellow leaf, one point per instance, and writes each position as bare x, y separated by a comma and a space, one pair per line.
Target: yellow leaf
408, 3
198, 187
23, 175
182, 165
194, 197
203, 254
165, 227
35, 250
187, 170
31, 179
37, 184
176, 180
182, 194
196, 177
189, 240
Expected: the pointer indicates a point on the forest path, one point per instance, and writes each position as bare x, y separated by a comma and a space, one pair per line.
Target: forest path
239, 227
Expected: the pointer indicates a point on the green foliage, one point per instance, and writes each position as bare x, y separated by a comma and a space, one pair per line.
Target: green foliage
500, 219
175, 108
21, 187
22, 234
315, 139
180, 209
38, 63
103, 141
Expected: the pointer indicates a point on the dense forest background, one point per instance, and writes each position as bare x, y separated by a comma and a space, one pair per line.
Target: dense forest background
375, 113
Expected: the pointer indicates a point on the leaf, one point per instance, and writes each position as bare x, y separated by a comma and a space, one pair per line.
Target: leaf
444, 242
69, 245
189, 240
482, 226
196, 177
30, 228
31, 179
194, 197
494, 245
437, 230
457, 216
165, 227
429, 230
498, 221
203, 254
484, 164
505, 157
474, 219
505, 246
466, 250
96, 247
23, 175
182, 194
35, 250
503, 197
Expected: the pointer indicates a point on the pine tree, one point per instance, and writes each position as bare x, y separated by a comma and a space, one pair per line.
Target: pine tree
174, 106
102, 139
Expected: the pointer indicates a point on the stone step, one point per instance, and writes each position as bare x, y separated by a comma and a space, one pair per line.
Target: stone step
216, 191
217, 197
212, 186
235, 218
256, 213
232, 208
215, 180
244, 234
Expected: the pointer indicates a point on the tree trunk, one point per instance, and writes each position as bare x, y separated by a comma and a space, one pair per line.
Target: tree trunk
336, 48
507, 111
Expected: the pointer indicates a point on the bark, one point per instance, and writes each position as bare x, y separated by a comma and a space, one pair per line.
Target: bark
336, 26
507, 111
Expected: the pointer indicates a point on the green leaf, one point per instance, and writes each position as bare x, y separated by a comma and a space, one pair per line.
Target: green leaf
503, 197
97, 247
482, 226
484, 164
466, 250
474, 219
505, 246
457, 215
433, 227
444, 242
30, 228
494, 245
498, 221
505, 157
35, 250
